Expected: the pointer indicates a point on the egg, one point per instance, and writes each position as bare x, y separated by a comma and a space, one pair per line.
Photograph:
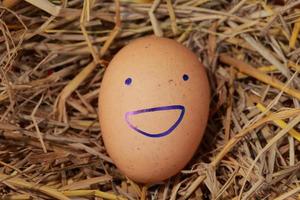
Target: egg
153, 108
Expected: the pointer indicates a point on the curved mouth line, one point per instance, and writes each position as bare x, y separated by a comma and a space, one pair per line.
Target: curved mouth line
155, 109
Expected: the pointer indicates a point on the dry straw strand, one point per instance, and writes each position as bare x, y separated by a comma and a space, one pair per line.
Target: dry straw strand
279, 135
70, 88
247, 69
31, 186
295, 34
155, 24
46, 6
280, 123
172, 17
93, 193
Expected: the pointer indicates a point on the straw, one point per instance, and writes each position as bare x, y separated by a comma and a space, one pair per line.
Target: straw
46, 6
53, 55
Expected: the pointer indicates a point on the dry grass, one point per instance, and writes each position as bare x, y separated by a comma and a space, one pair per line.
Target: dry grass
53, 54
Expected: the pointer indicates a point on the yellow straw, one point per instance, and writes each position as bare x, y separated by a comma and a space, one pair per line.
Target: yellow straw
295, 34
280, 123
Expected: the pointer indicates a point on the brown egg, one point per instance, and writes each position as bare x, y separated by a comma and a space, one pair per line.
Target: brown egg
153, 108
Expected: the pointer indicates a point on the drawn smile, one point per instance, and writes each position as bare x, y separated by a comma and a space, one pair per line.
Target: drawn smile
156, 109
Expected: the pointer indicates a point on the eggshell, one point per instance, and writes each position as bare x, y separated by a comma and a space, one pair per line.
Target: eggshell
153, 108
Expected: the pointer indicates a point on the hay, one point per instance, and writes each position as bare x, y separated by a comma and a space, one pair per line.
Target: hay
53, 55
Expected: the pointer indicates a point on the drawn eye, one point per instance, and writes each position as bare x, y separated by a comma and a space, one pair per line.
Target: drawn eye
128, 81
185, 77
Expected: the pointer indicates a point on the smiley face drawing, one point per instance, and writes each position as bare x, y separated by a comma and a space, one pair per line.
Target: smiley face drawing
153, 108
161, 108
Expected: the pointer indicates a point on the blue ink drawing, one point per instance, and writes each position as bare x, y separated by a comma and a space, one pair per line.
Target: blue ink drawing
185, 77
155, 109
128, 81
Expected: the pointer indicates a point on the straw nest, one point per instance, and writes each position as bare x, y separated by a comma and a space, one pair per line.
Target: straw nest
54, 53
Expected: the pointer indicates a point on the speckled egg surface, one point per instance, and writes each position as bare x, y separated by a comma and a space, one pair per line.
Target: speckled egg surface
153, 108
